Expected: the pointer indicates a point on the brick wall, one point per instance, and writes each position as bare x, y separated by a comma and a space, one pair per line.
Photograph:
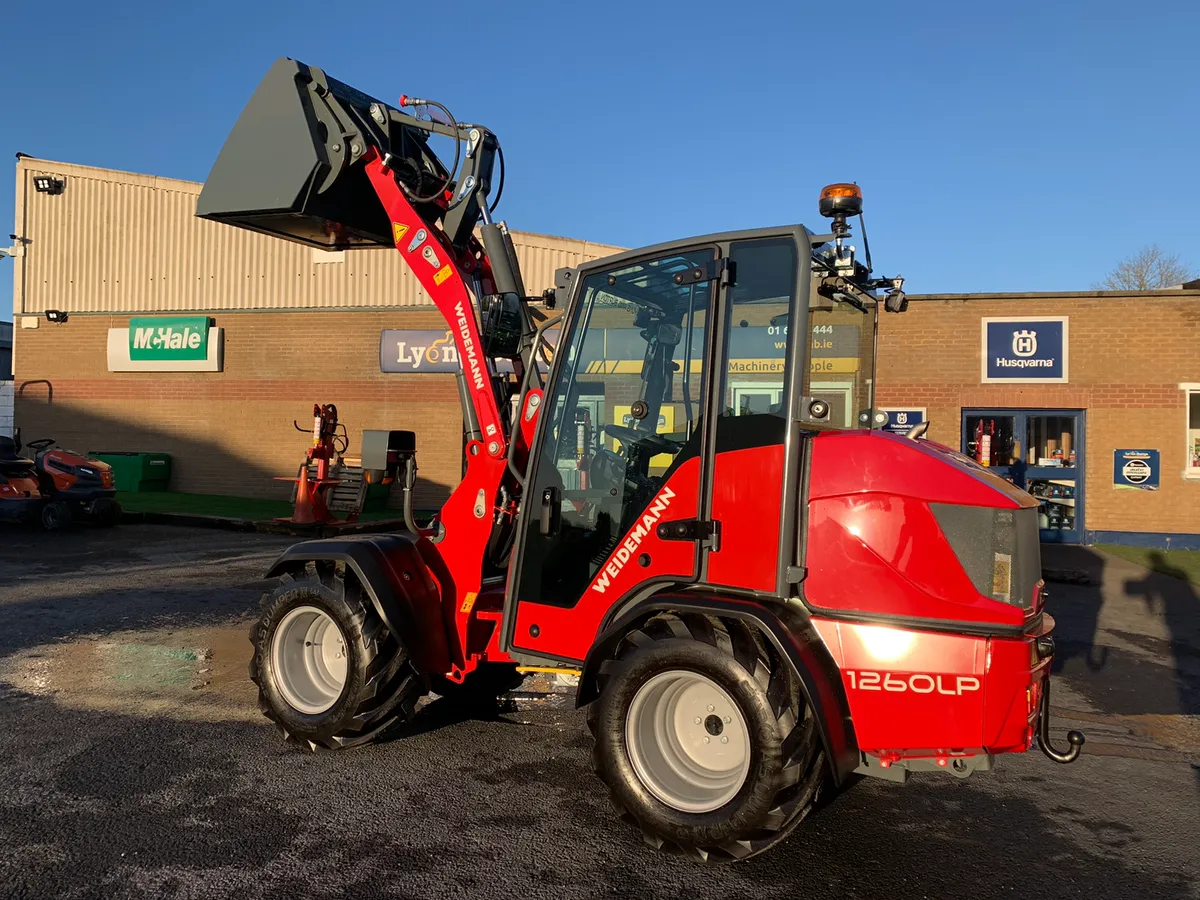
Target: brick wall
231, 432
1127, 358
6, 408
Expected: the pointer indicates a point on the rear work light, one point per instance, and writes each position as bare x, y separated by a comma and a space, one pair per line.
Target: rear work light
998, 549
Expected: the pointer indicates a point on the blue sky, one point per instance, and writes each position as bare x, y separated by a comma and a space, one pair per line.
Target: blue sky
1001, 146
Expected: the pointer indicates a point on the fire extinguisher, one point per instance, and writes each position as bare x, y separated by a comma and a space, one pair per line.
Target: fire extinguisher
983, 442
583, 427
325, 423
318, 426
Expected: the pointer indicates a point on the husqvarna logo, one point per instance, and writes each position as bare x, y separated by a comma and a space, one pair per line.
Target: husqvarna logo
1031, 349
1024, 343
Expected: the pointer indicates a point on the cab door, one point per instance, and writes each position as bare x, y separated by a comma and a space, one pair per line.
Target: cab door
751, 499
620, 466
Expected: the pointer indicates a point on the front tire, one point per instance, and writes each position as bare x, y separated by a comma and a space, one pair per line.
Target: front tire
106, 512
329, 673
703, 738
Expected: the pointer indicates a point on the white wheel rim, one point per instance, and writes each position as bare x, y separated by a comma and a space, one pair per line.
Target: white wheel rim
308, 654
687, 741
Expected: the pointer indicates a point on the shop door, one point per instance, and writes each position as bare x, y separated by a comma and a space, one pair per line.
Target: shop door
1040, 451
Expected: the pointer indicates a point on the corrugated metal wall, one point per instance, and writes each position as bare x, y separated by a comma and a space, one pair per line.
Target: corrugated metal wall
118, 242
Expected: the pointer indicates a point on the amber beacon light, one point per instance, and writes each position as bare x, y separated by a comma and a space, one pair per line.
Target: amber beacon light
841, 200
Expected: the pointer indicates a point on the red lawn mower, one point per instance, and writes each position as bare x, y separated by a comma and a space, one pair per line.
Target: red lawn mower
21, 498
760, 598
76, 487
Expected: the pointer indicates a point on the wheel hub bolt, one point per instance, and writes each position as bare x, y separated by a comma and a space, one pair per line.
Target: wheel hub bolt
724, 739
698, 720
711, 707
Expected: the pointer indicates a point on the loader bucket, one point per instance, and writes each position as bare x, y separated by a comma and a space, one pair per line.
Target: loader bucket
288, 167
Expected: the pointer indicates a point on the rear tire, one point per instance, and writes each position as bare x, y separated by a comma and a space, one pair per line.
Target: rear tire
55, 516
715, 802
329, 673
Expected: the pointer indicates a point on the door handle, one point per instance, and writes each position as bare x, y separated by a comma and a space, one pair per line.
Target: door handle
551, 515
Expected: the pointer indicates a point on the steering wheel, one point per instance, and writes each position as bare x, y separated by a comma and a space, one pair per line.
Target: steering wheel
654, 442
39, 444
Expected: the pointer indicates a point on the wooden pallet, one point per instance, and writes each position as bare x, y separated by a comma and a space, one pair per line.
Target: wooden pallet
351, 494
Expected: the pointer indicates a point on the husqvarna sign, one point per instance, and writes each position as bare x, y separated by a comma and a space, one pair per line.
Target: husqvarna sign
1025, 350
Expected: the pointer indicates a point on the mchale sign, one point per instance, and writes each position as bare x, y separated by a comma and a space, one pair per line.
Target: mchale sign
1024, 350
166, 344
169, 337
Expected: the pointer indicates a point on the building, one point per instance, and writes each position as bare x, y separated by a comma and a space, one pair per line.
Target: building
6, 383
1089, 400
278, 328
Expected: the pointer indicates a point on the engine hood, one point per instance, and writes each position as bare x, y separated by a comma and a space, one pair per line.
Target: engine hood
862, 461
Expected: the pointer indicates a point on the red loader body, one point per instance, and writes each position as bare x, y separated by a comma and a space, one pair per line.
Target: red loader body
674, 501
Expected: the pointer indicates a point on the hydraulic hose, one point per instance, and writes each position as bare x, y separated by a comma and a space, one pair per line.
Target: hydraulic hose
410, 482
500, 189
417, 198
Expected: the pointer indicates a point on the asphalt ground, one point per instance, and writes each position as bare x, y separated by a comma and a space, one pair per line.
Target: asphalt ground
134, 763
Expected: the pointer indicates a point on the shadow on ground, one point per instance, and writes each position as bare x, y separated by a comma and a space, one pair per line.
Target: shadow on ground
1130, 643
104, 805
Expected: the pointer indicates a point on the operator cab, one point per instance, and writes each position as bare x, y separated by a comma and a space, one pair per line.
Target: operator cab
659, 343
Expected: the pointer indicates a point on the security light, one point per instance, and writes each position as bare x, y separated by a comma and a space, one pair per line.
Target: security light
48, 184
57, 316
15, 249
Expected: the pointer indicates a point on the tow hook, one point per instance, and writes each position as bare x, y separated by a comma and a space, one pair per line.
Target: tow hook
1074, 738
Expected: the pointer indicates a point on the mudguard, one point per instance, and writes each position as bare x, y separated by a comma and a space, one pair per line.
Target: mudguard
791, 633
394, 576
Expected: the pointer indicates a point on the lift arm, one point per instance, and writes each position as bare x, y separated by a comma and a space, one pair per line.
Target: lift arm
315, 161
423, 246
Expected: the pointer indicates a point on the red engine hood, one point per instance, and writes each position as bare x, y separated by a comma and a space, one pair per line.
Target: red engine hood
72, 458
861, 461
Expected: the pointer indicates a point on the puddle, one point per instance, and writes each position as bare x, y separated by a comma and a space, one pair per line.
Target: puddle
196, 674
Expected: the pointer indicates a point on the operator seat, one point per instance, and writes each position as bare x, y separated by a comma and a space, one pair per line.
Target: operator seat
10, 462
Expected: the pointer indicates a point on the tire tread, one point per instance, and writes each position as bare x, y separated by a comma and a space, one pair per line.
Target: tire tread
390, 686
803, 756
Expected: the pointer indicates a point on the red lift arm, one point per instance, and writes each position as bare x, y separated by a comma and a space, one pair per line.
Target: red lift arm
315, 161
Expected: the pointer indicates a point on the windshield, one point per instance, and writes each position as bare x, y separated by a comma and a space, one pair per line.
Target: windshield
623, 419
841, 367
640, 337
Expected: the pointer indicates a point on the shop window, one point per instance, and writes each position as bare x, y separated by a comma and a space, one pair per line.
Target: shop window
1192, 392
1050, 441
992, 440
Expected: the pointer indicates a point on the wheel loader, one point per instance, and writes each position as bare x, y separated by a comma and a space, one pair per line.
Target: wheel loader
676, 487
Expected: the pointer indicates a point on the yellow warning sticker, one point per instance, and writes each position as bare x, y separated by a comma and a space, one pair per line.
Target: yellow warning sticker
469, 602
442, 274
399, 231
